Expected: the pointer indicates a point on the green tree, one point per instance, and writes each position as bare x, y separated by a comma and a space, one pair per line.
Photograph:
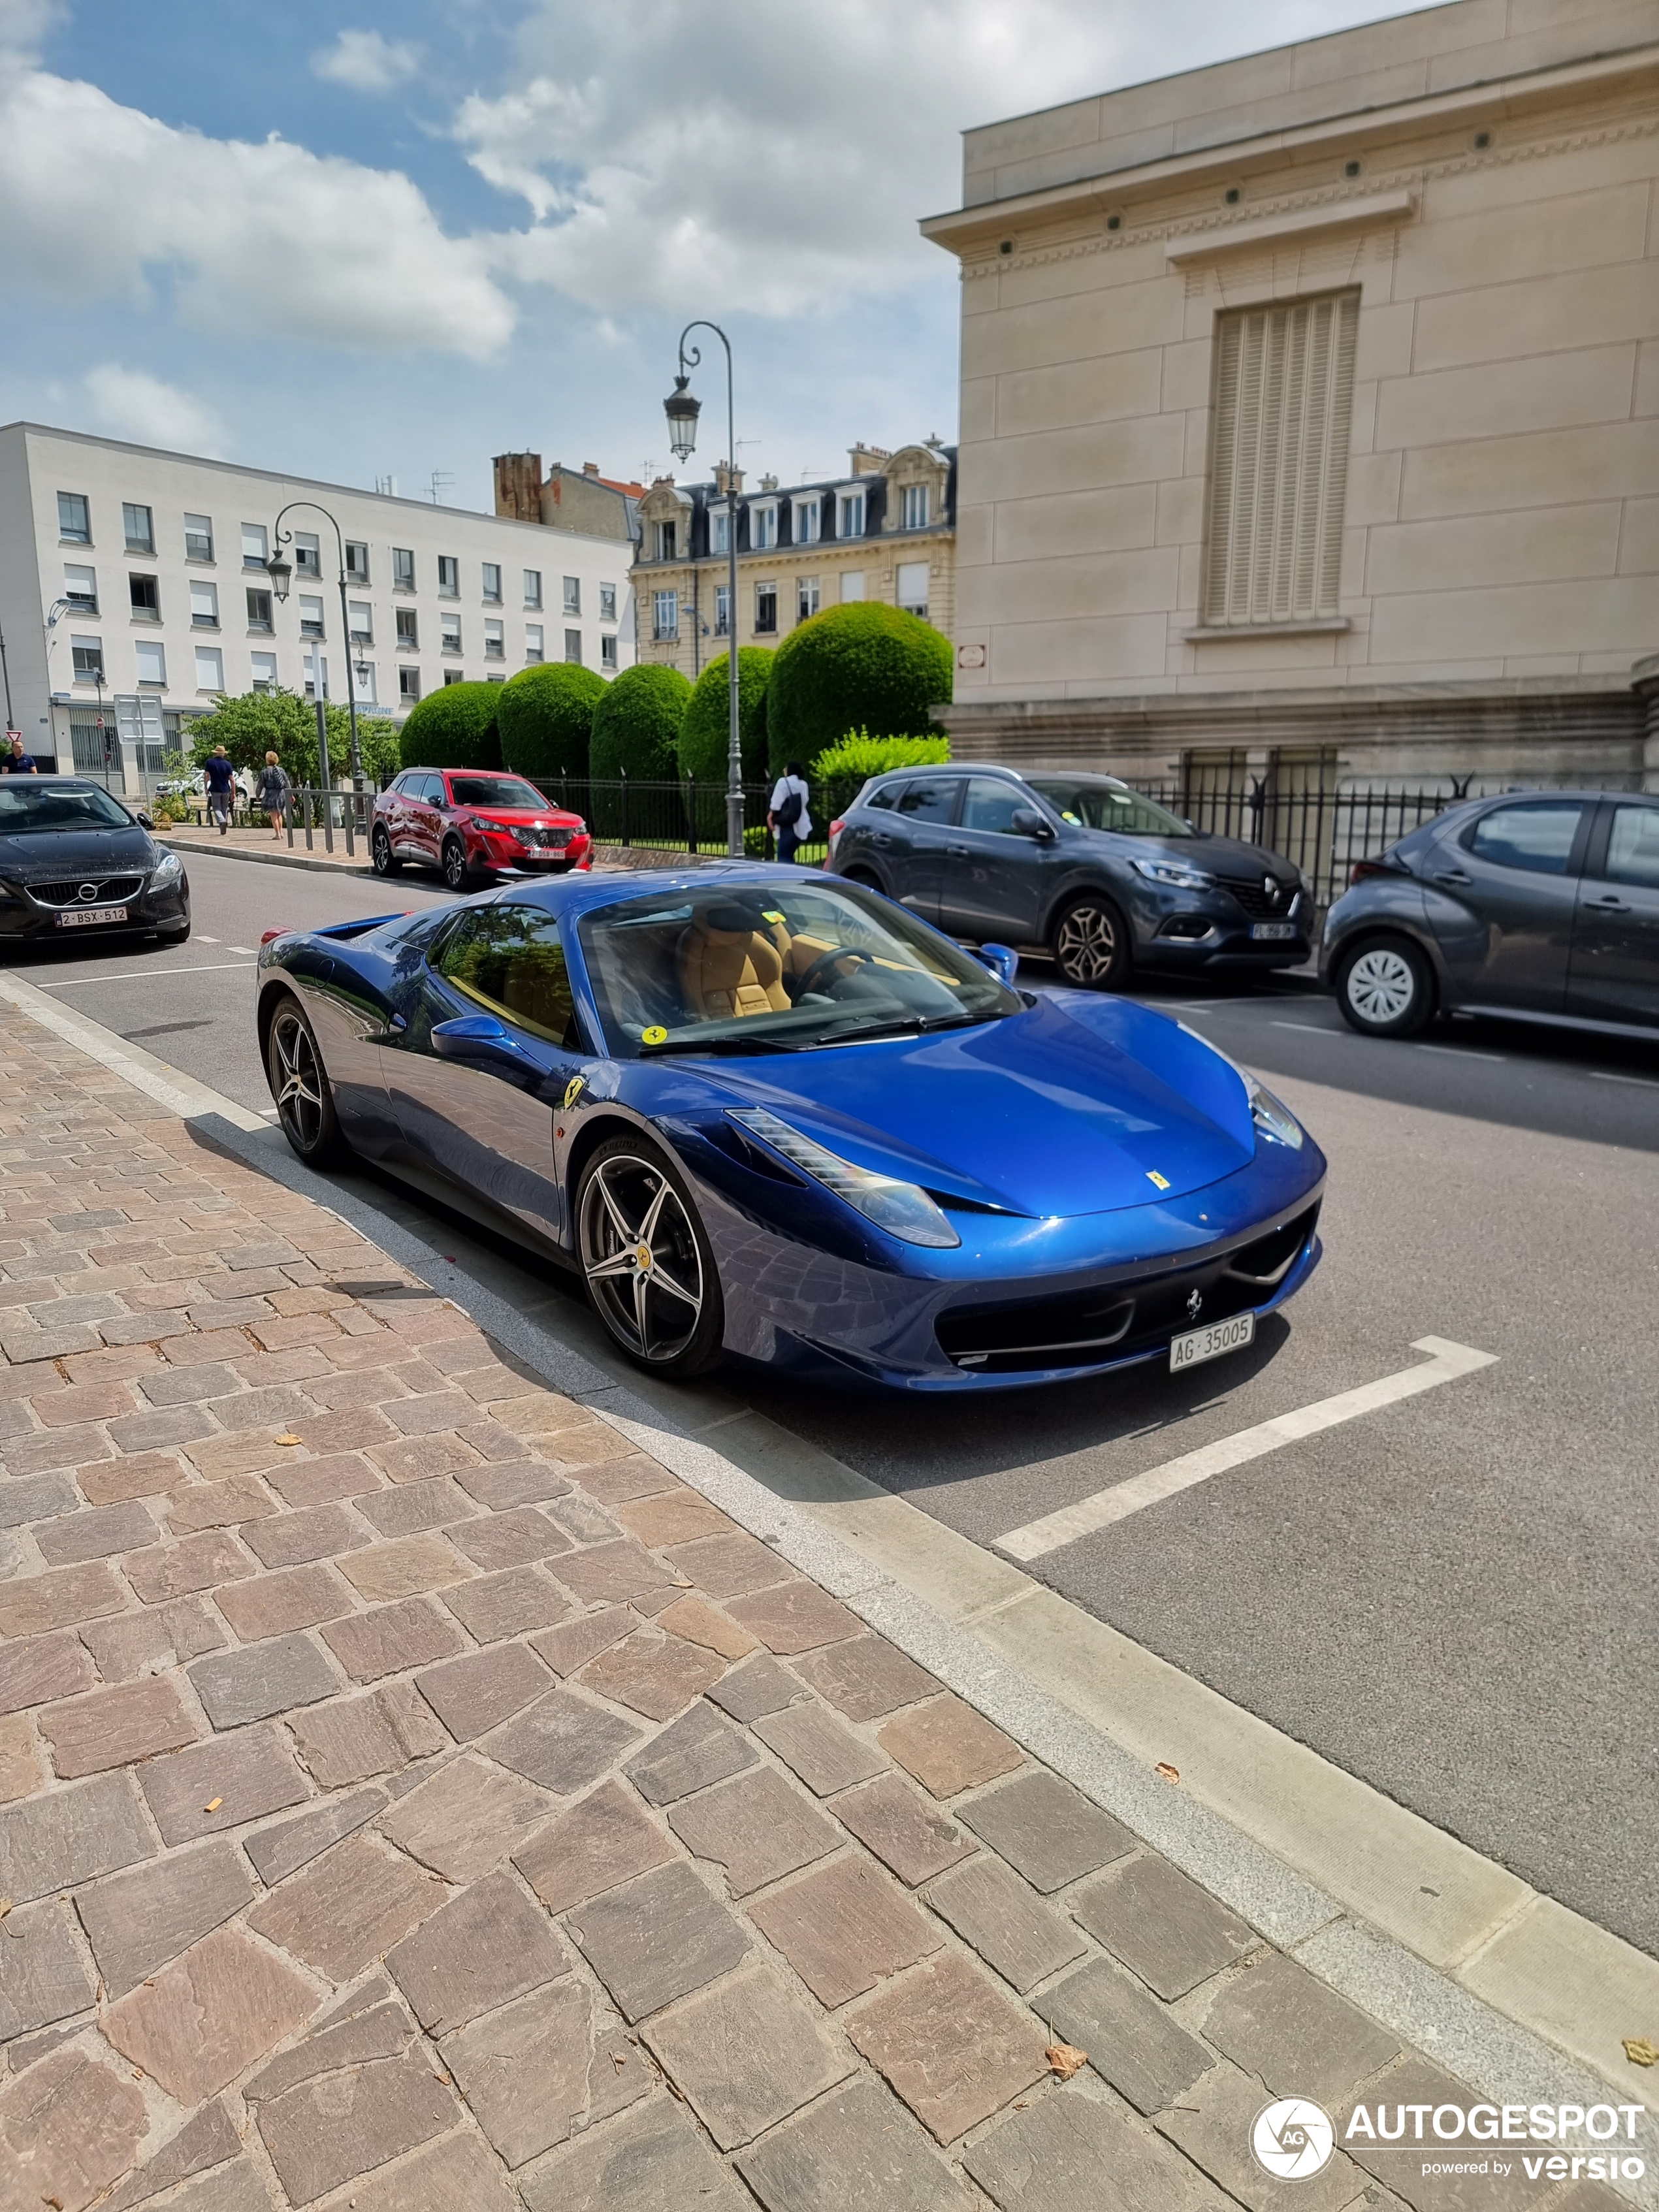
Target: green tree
258, 722
636, 724
705, 734
454, 727
862, 666
860, 755
546, 717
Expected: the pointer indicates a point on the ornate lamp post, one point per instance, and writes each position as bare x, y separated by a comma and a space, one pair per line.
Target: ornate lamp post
683, 411
280, 572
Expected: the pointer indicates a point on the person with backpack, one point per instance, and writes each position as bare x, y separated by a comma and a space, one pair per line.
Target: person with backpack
221, 788
787, 815
272, 793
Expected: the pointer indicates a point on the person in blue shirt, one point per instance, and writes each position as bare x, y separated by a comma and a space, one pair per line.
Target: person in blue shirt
16, 760
221, 788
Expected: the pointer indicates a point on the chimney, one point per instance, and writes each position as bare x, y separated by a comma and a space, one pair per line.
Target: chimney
519, 486
728, 481
768, 483
866, 460
590, 468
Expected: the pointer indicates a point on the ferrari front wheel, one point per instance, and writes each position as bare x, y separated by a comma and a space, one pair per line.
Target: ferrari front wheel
300, 1085
646, 1261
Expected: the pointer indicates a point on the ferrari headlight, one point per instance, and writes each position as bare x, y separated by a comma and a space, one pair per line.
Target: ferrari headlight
903, 1209
1272, 1118
167, 870
1175, 873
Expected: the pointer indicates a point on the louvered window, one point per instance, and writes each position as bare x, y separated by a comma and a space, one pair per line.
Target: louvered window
1278, 462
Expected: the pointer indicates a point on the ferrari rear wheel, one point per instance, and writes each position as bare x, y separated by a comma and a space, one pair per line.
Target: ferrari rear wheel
646, 1261
1090, 944
298, 1084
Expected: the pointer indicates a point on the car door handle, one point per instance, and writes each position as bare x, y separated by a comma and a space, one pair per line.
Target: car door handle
1608, 905
959, 852
881, 838
1453, 876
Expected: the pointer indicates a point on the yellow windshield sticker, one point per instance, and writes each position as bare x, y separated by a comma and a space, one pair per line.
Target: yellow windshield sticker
768, 915
1153, 1177
573, 1091
654, 1035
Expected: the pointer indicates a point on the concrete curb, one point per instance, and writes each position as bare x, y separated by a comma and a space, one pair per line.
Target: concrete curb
281, 859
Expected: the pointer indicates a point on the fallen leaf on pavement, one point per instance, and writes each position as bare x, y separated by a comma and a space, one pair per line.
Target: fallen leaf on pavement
1170, 1773
1066, 2059
213, 1804
1640, 2051
290, 1440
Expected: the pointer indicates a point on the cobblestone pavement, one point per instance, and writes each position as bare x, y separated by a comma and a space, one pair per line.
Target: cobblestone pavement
416, 1800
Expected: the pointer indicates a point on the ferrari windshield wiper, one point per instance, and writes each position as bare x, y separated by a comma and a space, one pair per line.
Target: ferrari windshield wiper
715, 1044
911, 1025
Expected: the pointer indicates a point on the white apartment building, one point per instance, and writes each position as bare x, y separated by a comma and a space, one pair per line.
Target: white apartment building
133, 588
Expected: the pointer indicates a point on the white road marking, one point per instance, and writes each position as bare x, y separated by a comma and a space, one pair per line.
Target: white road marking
202, 938
200, 968
1037, 1538
246, 949
1462, 1052
1312, 1028
1607, 1075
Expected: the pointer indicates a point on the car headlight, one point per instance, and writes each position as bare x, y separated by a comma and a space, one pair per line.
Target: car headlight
1272, 1118
903, 1209
167, 870
1175, 873
495, 829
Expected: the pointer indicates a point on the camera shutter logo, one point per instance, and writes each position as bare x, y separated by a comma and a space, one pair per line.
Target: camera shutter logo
1293, 2140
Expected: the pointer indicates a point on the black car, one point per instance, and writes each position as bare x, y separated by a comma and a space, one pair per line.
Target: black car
1538, 906
73, 860
1081, 865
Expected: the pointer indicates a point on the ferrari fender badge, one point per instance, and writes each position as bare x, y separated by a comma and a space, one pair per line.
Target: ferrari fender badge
655, 1034
1160, 1182
573, 1091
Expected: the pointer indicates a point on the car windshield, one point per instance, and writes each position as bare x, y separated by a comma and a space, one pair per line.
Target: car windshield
495, 791
774, 967
27, 805
1095, 802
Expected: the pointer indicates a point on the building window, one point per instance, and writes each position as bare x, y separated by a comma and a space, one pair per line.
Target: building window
809, 521
198, 537
763, 528
138, 528
608, 653
449, 575
356, 562
806, 598
915, 507
81, 589
1279, 460
258, 610
210, 668
533, 588
667, 541
720, 530
74, 518
454, 675
152, 659
722, 611
852, 584
311, 617
766, 609
667, 621
308, 554
145, 592
913, 581
409, 629
494, 679
361, 615
265, 671
255, 545
450, 633
607, 603
409, 685
849, 514
402, 568
535, 645
495, 641
492, 582
89, 656
573, 647
573, 595
204, 606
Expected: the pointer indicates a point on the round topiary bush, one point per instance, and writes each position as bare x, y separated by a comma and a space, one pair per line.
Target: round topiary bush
454, 727
863, 666
636, 724
705, 734
546, 717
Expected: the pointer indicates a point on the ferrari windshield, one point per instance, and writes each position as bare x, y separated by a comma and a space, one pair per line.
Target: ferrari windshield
1098, 802
496, 790
27, 805
775, 967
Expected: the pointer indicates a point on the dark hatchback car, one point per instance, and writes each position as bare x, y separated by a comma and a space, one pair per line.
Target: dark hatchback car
1102, 877
469, 823
75, 865
1542, 907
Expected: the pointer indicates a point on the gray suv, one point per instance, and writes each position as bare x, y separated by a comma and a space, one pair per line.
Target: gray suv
1080, 864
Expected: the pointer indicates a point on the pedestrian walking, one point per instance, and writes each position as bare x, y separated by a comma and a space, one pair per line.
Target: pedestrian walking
787, 815
221, 788
16, 760
272, 793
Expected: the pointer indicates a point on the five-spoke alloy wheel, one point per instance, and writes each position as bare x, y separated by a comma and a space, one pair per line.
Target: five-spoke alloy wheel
1090, 944
1385, 989
454, 864
386, 862
649, 1269
298, 1084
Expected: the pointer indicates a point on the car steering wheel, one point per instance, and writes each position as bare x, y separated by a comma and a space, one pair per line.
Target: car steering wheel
809, 981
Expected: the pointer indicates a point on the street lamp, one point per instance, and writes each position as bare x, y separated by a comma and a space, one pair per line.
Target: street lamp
280, 572
683, 410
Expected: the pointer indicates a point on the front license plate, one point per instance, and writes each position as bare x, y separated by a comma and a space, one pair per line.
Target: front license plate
1271, 931
1201, 1344
84, 914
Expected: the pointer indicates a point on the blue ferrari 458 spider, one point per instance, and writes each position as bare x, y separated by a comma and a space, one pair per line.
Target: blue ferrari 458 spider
770, 1115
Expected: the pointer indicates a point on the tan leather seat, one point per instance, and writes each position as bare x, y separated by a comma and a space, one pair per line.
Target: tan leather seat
724, 972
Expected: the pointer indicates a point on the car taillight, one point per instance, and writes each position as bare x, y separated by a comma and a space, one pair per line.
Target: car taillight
271, 936
835, 829
1361, 869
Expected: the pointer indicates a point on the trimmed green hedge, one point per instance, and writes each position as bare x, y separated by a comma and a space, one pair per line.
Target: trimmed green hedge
454, 727
637, 726
862, 666
862, 754
546, 718
706, 732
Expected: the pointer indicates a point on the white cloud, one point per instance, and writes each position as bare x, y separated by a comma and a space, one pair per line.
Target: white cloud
367, 62
23, 28
129, 403
97, 200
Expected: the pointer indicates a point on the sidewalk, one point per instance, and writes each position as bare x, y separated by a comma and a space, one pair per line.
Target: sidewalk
259, 845
417, 1799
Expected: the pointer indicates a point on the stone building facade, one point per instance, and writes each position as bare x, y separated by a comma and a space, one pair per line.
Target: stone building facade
580, 501
1311, 409
885, 531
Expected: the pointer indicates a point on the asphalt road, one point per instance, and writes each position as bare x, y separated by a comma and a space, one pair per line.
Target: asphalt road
1451, 1596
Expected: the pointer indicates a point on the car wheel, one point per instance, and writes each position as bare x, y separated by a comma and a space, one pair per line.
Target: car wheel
861, 876
1385, 988
298, 1084
1090, 944
647, 1263
386, 862
454, 864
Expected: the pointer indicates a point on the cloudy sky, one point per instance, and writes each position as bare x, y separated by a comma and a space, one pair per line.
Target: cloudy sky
464, 226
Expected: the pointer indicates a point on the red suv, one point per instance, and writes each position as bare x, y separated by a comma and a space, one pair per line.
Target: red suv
467, 822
